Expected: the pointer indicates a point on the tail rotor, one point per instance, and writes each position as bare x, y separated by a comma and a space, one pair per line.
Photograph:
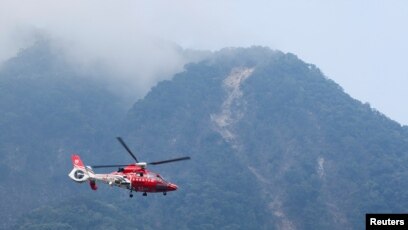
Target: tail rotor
79, 173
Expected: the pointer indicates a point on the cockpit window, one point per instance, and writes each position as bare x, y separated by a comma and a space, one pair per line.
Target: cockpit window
160, 178
151, 175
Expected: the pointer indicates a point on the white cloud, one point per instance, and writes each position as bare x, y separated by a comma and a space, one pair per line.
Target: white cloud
110, 33
359, 44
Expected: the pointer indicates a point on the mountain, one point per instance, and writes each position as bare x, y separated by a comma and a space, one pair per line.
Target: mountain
48, 110
272, 137
274, 144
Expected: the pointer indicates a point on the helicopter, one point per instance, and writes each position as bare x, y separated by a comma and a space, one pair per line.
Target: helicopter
134, 177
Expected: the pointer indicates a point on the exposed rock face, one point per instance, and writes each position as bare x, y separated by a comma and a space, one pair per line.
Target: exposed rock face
232, 108
274, 145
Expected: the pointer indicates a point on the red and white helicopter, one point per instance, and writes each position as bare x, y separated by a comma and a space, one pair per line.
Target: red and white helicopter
134, 177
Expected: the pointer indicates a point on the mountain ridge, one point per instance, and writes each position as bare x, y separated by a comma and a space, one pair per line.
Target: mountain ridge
274, 144
309, 109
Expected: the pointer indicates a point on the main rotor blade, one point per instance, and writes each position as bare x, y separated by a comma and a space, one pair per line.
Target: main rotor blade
168, 161
127, 148
108, 166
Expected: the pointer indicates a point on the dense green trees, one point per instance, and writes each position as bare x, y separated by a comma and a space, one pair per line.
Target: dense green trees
301, 152
47, 111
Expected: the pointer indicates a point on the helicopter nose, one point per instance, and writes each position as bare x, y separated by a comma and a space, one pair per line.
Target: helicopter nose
172, 187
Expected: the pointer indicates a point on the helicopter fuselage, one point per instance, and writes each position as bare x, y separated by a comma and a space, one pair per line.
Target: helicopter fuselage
134, 177
131, 177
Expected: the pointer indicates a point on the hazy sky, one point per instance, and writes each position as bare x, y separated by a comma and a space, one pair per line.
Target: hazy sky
362, 45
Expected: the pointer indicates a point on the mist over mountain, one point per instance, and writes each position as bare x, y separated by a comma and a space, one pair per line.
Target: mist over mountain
47, 111
274, 144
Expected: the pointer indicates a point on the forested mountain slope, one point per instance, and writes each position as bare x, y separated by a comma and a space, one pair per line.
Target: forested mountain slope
47, 111
274, 145
276, 136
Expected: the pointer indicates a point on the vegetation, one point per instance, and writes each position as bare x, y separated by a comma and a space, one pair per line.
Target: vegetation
303, 154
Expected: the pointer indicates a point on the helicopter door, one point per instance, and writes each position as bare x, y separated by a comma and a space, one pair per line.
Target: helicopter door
139, 182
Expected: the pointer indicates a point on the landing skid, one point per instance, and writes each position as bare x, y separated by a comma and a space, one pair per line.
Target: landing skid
144, 194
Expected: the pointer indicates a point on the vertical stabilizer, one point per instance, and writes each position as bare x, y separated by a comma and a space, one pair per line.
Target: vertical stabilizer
77, 162
79, 173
